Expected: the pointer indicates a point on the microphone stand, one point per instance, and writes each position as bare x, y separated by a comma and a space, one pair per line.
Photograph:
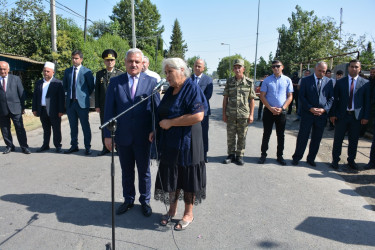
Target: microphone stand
111, 125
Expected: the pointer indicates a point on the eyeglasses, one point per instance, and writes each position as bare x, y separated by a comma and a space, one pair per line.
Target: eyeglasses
276, 66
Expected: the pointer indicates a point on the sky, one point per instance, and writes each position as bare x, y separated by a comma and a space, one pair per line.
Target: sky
205, 24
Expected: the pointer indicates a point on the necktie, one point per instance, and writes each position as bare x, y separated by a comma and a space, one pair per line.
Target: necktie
196, 80
74, 84
4, 85
134, 87
319, 85
351, 94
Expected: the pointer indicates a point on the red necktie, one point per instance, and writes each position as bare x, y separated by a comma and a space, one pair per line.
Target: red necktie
351, 94
4, 85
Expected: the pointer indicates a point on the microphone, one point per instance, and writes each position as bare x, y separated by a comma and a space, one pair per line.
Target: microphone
158, 86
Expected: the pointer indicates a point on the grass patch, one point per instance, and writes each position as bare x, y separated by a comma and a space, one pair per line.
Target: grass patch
30, 122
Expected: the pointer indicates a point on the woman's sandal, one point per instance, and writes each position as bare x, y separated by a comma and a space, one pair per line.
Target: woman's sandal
165, 219
183, 225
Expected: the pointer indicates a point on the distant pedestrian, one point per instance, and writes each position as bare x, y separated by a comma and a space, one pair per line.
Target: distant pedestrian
205, 83
146, 64
48, 104
295, 81
238, 111
339, 75
316, 98
276, 94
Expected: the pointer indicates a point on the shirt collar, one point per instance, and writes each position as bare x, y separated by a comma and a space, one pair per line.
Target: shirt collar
129, 76
355, 78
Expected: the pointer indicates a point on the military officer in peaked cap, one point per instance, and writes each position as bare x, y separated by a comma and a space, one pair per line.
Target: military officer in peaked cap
101, 83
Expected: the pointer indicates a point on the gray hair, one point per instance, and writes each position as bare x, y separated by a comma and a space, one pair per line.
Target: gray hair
321, 63
134, 51
6, 63
145, 58
177, 64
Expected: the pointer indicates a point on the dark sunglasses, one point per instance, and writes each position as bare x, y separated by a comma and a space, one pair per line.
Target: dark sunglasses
276, 66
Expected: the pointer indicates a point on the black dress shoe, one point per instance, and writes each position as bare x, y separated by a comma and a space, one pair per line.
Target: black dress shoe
8, 150
42, 148
261, 160
88, 151
334, 165
281, 161
58, 150
71, 150
146, 210
103, 152
353, 165
295, 162
229, 159
124, 207
26, 151
369, 166
239, 161
311, 163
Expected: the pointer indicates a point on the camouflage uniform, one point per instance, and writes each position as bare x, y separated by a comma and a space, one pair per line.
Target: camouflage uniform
239, 93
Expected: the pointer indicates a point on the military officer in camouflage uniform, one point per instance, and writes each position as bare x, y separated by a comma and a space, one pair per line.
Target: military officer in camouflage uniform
101, 83
238, 111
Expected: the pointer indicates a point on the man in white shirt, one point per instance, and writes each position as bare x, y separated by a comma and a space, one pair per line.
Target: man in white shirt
146, 64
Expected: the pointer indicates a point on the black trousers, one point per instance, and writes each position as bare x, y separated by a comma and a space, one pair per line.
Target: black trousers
268, 120
48, 123
353, 126
260, 109
205, 127
18, 125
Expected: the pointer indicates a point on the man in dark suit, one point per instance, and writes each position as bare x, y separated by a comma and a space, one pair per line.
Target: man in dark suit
133, 128
101, 83
316, 98
12, 106
48, 104
205, 83
351, 108
78, 84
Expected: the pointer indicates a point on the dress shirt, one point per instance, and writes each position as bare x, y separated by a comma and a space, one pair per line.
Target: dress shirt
197, 78
45, 90
277, 89
78, 68
355, 84
153, 74
131, 80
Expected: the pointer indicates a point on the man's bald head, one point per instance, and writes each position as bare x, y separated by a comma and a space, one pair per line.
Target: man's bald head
198, 67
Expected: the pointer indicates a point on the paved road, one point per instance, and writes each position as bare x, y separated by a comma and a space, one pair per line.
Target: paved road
57, 201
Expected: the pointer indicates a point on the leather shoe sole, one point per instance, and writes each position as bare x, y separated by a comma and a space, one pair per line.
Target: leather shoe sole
353, 165
26, 151
146, 210
103, 152
261, 160
311, 163
334, 165
71, 150
124, 207
281, 161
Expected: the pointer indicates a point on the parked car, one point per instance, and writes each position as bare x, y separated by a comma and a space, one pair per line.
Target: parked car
222, 82
257, 86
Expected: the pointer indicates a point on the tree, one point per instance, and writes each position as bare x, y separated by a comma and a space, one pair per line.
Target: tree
177, 46
264, 67
225, 68
100, 28
147, 21
191, 61
367, 57
307, 37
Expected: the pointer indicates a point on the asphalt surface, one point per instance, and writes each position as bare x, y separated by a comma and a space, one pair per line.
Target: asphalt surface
57, 201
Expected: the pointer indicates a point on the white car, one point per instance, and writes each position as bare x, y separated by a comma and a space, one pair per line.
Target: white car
222, 82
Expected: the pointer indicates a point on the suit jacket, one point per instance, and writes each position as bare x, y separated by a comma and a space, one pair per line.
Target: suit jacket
361, 98
134, 126
207, 87
309, 97
101, 83
54, 98
13, 99
84, 86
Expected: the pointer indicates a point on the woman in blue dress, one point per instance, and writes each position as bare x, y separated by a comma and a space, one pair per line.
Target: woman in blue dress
182, 170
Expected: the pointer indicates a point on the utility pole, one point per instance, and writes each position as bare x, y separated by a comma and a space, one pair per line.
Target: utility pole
53, 26
85, 29
256, 47
340, 28
133, 26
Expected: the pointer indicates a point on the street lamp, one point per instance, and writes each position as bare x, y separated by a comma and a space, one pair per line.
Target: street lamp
228, 58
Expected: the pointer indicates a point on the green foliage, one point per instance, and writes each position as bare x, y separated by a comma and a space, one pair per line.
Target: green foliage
147, 22
225, 68
264, 67
307, 37
367, 57
177, 46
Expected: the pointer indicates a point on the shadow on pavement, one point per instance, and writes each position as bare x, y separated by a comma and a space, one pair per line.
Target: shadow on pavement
341, 230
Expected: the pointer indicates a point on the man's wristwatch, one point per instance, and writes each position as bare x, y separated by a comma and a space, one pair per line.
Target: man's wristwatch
283, 110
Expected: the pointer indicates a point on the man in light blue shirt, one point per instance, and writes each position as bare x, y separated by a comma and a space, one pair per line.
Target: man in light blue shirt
276, 94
